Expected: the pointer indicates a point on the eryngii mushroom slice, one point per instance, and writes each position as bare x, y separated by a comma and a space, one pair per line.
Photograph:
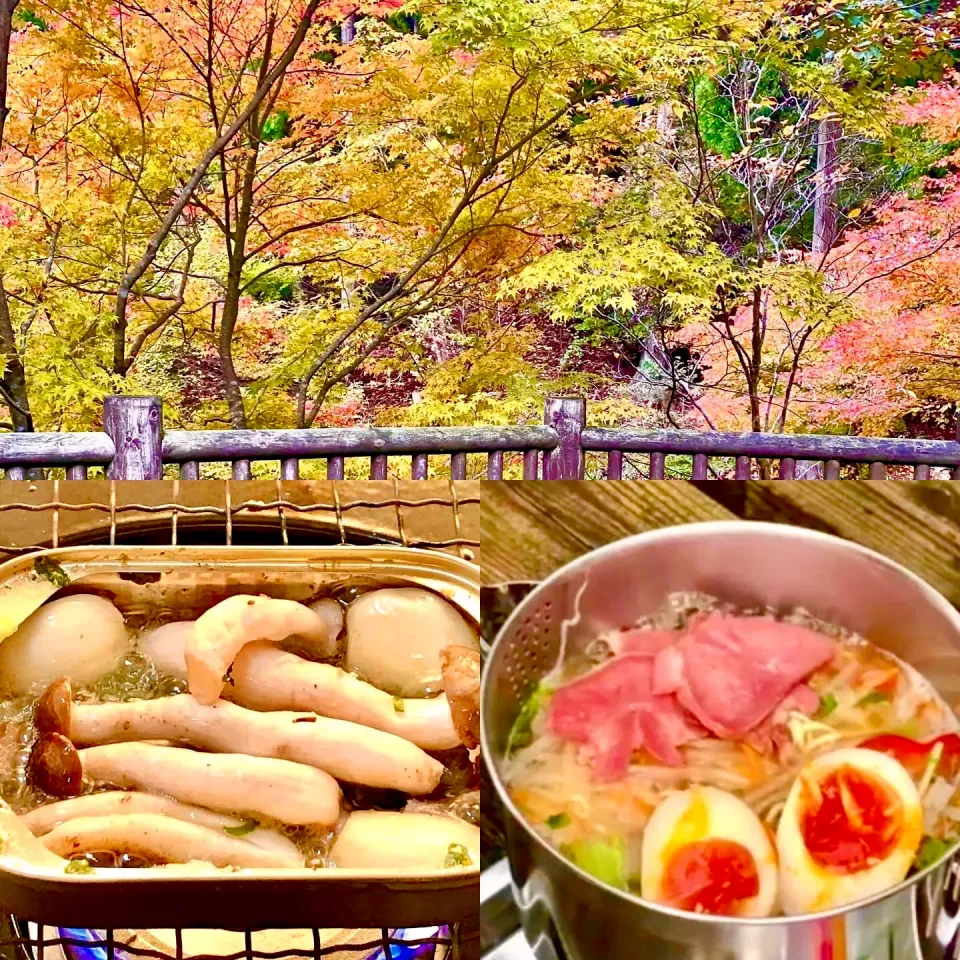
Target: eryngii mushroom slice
220, 633
461, 680
389, 840
156, 837
264, 677
289, 792
110, 802
347, 751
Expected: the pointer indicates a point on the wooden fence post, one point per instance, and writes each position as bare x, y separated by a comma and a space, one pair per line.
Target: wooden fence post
135, 424
568, 416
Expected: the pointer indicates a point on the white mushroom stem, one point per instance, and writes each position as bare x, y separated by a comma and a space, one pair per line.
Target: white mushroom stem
385, 839
219, 634
267, 678
332, 614
113, 802
289, 792
264, 677
157, 838
347, 751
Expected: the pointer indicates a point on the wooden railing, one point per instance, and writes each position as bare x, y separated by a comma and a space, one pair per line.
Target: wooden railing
133, 446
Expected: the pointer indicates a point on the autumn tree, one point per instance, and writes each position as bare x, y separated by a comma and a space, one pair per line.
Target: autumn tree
774, 130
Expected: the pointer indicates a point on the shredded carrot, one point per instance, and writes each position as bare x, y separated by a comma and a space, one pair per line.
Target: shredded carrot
752, 766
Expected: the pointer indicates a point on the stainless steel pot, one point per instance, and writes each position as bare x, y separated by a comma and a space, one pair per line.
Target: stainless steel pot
568, 914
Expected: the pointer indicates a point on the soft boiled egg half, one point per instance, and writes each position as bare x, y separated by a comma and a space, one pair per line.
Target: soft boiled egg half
705, 850
850, 828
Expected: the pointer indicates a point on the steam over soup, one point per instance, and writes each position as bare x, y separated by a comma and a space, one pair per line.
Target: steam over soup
736, 763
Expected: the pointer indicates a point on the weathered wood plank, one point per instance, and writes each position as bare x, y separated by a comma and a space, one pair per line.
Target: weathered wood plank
531, 465
774, 445
916, 524
565, 418
528, 530
55, 449
134, 424
181, 445
615, 465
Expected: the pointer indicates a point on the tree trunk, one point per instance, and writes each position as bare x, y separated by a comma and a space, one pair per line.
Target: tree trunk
228, 323
824, 226
14, 377
666, 125
238, 257
825, 198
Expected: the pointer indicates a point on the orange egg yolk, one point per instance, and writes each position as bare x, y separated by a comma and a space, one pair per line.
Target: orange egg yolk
849, 820
710, 876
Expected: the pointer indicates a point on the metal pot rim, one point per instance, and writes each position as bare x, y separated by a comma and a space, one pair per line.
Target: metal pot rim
677, 532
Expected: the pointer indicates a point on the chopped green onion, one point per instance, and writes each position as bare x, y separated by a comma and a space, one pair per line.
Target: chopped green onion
558, 820
875, 696
457, 856
828, 704
78, 866
399, 705
51, 570
242, 829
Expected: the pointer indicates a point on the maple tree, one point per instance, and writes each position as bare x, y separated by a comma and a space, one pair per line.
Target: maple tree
328, 212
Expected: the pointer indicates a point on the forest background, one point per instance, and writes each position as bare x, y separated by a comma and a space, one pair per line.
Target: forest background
713, 214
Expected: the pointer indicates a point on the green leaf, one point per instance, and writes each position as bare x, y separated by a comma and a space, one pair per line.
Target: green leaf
242, 829
78, 866
875, 696
558, 820
276, 126
828, 704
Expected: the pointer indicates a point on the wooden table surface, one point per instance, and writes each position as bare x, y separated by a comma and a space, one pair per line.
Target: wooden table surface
528, 530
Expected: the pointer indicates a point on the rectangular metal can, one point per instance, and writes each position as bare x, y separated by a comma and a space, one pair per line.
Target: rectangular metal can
146, 582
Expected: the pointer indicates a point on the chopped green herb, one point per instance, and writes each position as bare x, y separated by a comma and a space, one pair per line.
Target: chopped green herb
242, 829
457, 856
603, 859
558, 820
399, 705
931, 850
52, 571
875, 696
828, 704
521, 733
78, 866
